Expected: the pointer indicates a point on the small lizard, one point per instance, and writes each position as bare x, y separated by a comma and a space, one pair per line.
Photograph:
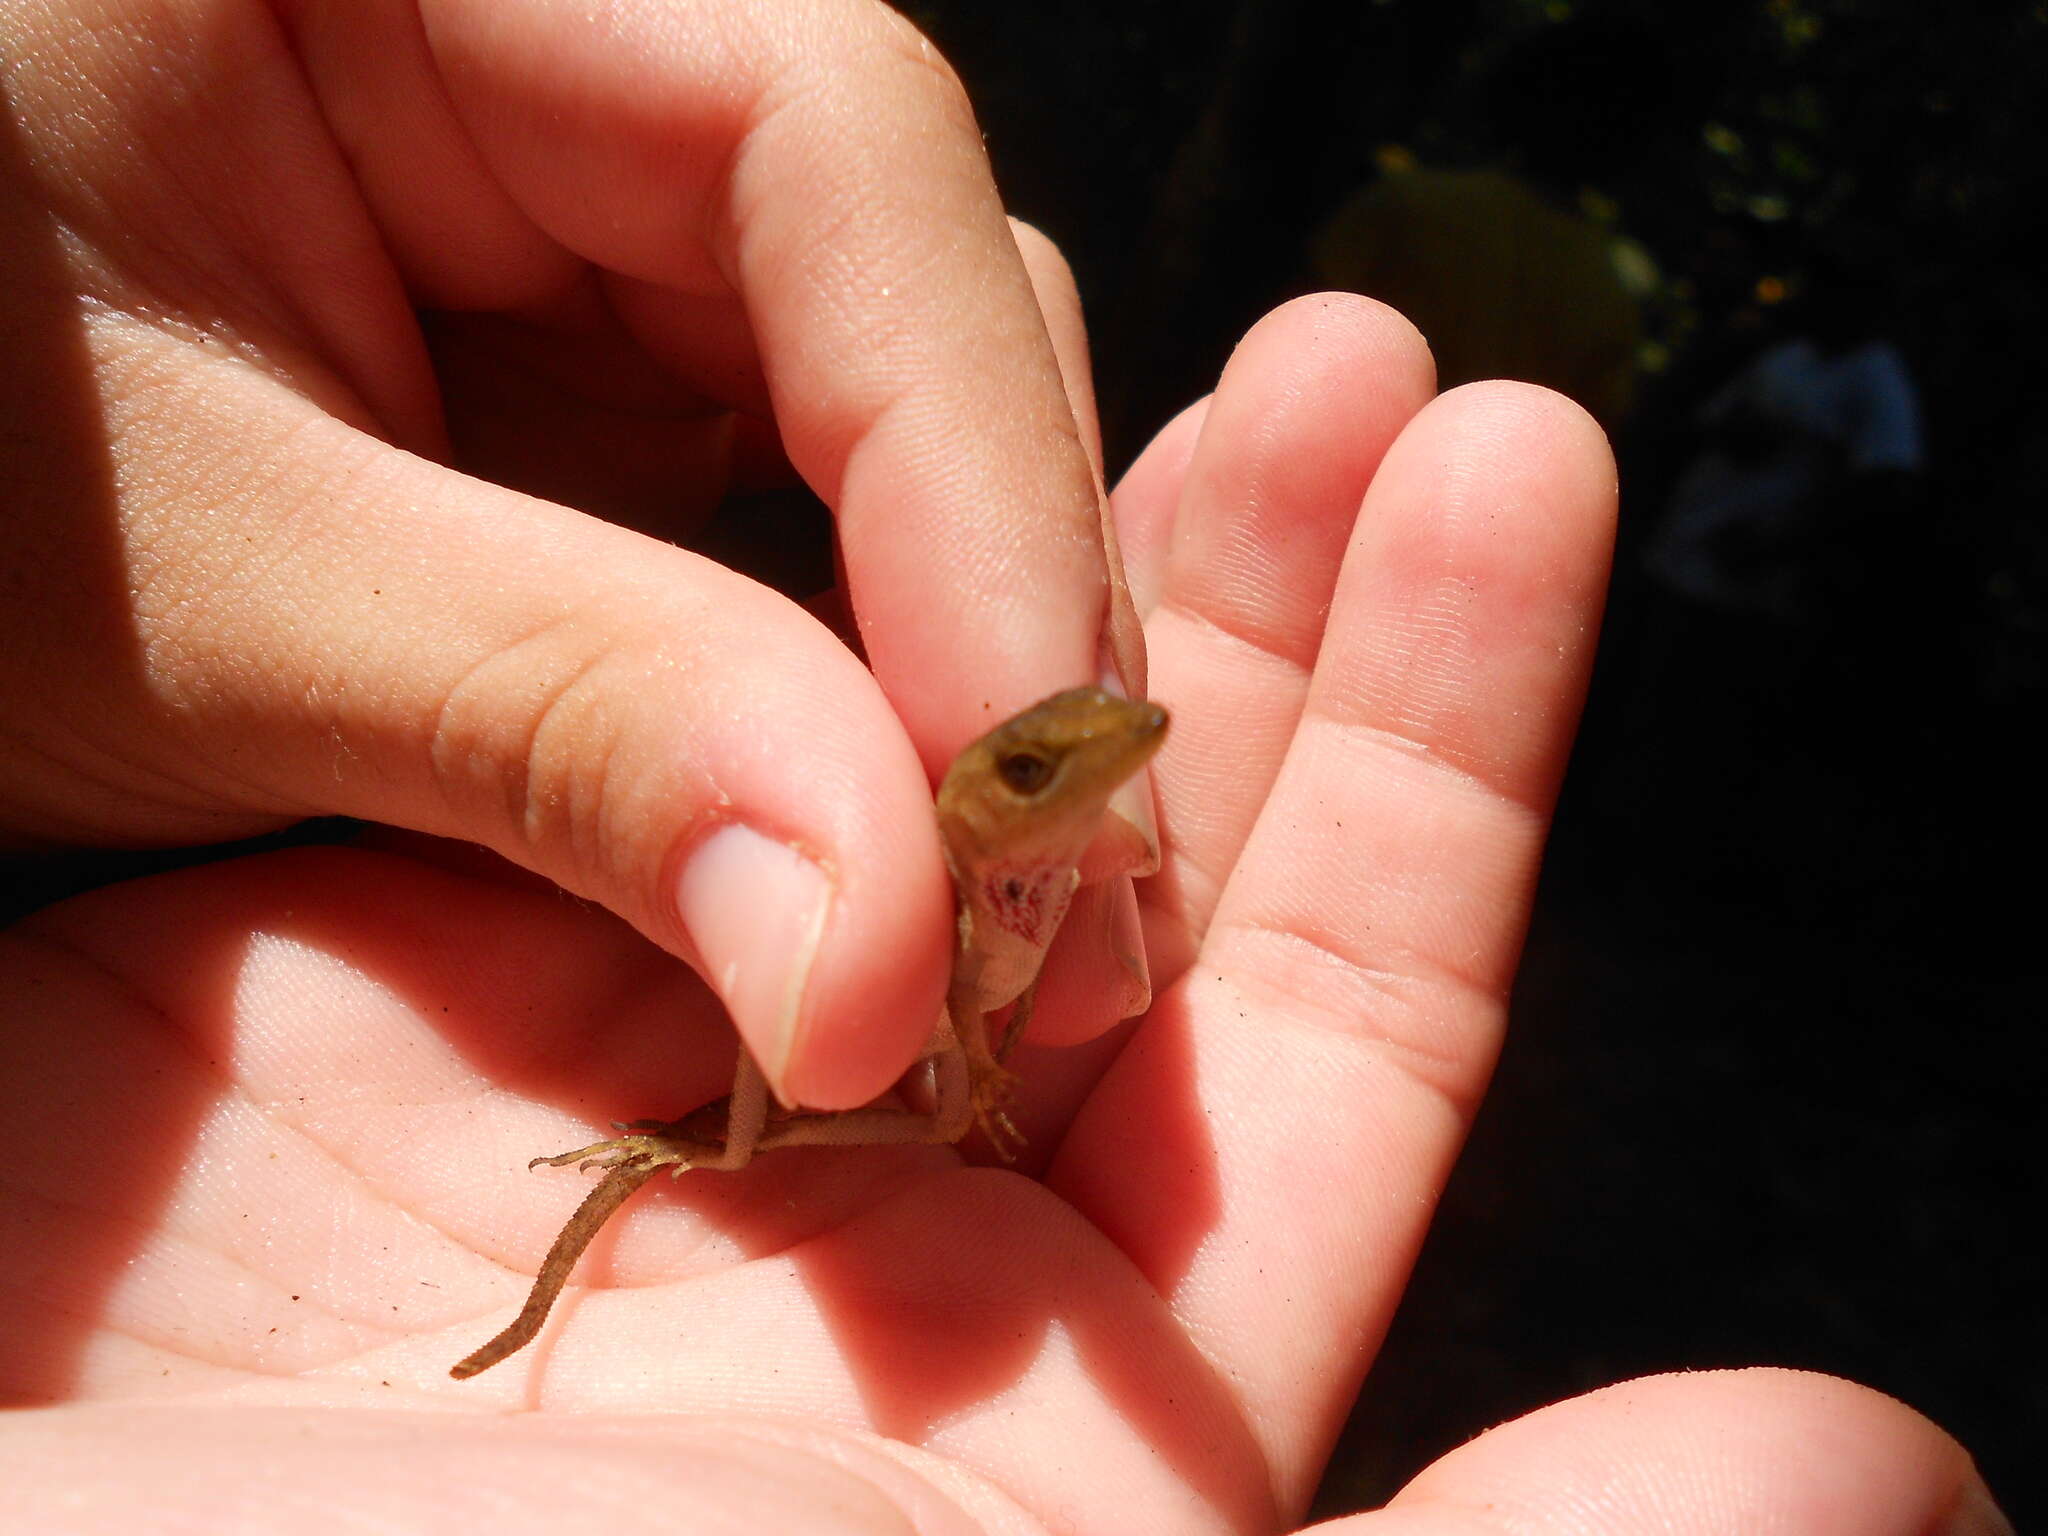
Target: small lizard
1016, 811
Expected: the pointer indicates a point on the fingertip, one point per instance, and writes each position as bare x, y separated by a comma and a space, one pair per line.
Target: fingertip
814, 992
1096, 974
756, 910
816, 906
1396, 355
1148, 497
1976, 1513
1475, 583
1710, 1451
1556, 435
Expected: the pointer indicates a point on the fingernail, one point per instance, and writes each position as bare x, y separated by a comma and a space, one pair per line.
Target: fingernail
1127, 943
755, 909
1132, 801
1131, 804
1109, 676
1976, 1514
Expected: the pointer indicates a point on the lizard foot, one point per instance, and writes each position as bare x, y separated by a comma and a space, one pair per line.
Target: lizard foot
648, 1145
990, 1090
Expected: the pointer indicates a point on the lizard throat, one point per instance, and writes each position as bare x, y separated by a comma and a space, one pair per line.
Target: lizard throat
1026, 900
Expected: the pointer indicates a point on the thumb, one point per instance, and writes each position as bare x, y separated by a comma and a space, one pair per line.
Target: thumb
366, 633
1711, 1451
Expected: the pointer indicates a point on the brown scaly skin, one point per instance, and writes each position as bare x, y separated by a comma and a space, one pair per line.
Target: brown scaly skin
1016, 810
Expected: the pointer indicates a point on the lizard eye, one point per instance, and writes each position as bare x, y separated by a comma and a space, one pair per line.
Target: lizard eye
1025, 772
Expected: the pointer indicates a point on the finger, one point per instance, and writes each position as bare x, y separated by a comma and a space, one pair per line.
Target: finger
1059, 302
825, 173
1301, 418
1095, 973
203, 1465
1147, 499
1244, 528
1128, 842
1269, 1147
1757, 1450
385, 639
561, 401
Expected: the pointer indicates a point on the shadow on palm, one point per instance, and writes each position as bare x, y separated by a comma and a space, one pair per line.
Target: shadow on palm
311, 1085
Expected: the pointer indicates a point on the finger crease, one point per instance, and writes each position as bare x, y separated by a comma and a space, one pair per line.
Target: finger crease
1237, 637
1324, 990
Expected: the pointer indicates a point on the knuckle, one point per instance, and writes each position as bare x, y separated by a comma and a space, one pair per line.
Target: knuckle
527, 740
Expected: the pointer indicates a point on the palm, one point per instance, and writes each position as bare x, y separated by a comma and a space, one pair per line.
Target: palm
271, 1116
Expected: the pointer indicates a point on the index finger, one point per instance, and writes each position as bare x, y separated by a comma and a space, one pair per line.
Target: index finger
800, 189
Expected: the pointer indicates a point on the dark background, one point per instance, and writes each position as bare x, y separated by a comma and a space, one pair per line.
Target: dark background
1775, 1068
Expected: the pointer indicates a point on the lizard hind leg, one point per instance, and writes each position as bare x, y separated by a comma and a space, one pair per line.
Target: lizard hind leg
645, 1146
721, 1136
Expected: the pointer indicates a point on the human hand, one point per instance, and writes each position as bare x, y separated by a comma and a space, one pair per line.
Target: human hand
270, 1117
272, 268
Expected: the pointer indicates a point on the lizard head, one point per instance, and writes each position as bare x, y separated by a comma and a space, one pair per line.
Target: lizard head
1038, 783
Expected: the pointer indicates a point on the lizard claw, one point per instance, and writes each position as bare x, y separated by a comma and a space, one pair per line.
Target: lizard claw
990, 1090
656, 1146
1002, 1133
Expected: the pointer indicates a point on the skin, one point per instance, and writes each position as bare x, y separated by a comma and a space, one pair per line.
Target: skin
375, 368
259, 1122
1017, 811
298, 1070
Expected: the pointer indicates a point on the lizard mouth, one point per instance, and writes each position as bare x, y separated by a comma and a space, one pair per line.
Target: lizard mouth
1039, 782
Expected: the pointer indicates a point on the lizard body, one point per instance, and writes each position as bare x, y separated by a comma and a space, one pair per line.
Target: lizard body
1016, 811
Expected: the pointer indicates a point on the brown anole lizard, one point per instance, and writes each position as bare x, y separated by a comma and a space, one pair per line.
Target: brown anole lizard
1016, 811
